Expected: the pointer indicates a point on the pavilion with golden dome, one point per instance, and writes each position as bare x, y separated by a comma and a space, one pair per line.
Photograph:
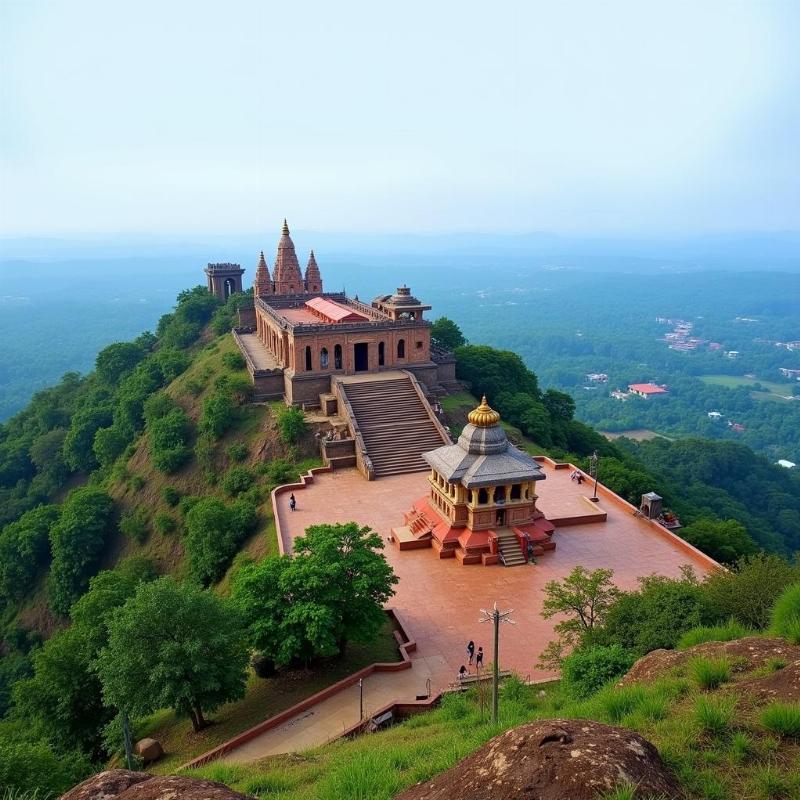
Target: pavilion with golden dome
481, 506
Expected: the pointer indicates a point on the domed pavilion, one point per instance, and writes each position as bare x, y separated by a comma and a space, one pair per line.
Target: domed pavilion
481, 508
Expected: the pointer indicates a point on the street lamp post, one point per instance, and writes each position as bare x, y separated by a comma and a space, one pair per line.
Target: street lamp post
360, 699
593, 459
495, 616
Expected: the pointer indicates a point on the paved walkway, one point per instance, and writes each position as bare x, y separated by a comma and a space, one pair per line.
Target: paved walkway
330, 718
440, 600
257, 351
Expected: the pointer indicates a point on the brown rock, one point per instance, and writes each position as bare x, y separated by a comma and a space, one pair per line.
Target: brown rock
752, 652
124, 785
782, 685
149, 750
555, 759
111, 783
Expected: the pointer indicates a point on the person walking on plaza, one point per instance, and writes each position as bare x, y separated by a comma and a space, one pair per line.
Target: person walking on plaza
479, 658
292, 502
471, 651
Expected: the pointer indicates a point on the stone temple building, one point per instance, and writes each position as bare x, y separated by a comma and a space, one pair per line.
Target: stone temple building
481, 507
370, 368
305, 336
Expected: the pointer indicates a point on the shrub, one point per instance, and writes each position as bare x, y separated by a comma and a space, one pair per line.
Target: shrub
749, 590
219, 413
187, 503
133, 524
587, 669
194, 386
238, 451
278, 471
714, 633
168, 436
783, 719
237, 480
164, 523
785, 619
171, 496
234, 360
291, 424
618, 703
714, 715
137, 483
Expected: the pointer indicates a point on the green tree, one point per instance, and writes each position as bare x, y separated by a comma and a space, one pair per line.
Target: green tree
748, 590
25, 550
219, 413
77, 541
582, 599
79, 441
490, 371
173, 646
168, 437
291, 424
117, 360
445, 333
63, 698
311, 604
359, 578
215, 532
725, 540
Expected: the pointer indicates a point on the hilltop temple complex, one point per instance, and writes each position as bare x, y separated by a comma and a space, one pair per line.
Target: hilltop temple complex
296, 337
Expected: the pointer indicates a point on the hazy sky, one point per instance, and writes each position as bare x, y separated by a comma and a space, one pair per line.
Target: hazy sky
225, 116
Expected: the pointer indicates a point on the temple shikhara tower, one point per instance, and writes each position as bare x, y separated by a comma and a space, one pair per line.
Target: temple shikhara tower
481, 507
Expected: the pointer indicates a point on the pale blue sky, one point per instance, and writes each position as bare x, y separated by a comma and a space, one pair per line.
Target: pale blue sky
572, 117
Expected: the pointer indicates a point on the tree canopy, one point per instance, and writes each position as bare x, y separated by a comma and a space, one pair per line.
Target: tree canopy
173, 646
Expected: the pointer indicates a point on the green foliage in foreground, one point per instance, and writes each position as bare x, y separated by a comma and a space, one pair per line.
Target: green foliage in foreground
587, 669
713, 633
291, 424
173, 646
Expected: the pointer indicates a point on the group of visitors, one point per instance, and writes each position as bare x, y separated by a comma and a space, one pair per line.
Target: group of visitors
472, 655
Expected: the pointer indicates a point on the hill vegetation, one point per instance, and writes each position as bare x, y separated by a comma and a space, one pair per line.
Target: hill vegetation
134, 503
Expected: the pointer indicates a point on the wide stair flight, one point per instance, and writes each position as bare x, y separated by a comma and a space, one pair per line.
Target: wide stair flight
510, 551
396, 424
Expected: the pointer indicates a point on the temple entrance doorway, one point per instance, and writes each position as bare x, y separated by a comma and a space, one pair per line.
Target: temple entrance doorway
361, 356
500, 518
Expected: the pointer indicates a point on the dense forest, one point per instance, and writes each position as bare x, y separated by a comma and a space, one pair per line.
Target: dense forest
155, 464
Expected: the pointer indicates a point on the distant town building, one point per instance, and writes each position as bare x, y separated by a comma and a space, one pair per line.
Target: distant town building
715, 415
597, 377
736, 426
782, 462
617, 394
714, 346
647, 390
795, 345
732, 354
790, 373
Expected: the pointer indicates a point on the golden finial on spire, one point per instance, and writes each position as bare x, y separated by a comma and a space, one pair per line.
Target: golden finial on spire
483, 416
285, 227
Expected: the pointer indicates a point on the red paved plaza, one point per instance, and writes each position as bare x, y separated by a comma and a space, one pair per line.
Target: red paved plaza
440, 600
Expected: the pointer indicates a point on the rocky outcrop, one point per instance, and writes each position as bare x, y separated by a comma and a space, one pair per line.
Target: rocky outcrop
745, 655
554, 760
124, 785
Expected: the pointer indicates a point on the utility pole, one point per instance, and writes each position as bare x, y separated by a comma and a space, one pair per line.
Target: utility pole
360, 698
593, 459
495, 616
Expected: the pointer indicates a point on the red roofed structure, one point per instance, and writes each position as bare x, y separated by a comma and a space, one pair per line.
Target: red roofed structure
647, 390
332, 312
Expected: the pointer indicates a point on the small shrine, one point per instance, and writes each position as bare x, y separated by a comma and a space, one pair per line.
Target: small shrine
481, 507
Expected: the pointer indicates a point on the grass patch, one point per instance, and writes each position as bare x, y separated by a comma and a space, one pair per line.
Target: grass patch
713, 633
783, 719
714, 715
709, 673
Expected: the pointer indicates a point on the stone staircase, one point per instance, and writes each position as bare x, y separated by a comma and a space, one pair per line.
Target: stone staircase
396, 424
509, 548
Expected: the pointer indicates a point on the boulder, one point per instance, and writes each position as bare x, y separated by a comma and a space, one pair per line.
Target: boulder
149, 750
556, 759
125, 785
746, 655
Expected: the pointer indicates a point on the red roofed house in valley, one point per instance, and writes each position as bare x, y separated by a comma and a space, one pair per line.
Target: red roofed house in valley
647, 390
